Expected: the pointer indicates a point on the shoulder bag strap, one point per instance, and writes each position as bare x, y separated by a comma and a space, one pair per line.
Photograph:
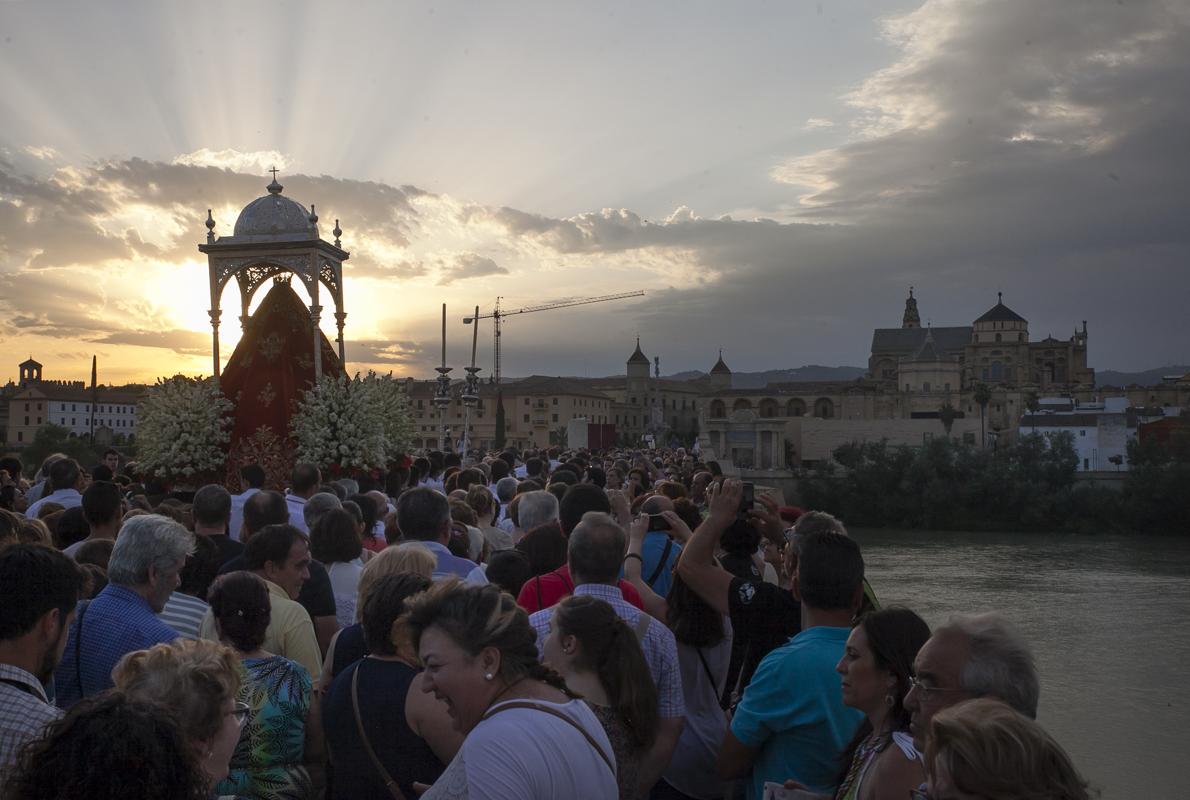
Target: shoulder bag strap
390, 782
538, 582
569, 586
669, 544
706, 668
546, 709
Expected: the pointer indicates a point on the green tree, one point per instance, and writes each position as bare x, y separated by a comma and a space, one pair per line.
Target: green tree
983, 396
51, 439
947, 414
1032, 405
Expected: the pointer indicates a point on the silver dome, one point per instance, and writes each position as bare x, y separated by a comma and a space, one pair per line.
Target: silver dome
274, 216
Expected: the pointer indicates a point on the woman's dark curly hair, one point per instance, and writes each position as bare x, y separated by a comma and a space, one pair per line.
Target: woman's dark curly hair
109, 747
476, 617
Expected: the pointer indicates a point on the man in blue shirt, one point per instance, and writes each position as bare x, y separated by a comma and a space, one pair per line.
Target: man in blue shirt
791, 722
423, 515
143, 571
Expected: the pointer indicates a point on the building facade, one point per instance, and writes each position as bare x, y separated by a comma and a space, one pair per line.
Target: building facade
36, 402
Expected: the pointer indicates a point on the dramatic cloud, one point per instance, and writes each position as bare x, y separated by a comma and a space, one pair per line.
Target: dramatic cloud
234, 160
467, 265
1033, 148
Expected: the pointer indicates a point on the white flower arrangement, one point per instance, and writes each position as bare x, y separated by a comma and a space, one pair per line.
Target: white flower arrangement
184, 427
397, 419
340, 423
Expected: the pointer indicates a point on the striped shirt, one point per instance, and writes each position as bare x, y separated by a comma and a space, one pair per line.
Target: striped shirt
24, 713
184, 614
658, 643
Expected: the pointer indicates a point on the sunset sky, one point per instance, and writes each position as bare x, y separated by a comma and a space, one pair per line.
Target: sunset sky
773, 175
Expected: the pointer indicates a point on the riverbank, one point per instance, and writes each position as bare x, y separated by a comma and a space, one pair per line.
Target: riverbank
1108, 618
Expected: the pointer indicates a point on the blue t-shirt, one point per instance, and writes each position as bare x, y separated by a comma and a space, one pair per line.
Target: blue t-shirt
793, 713
651, 549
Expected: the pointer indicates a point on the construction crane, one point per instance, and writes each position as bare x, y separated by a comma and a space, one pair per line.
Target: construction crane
497, 316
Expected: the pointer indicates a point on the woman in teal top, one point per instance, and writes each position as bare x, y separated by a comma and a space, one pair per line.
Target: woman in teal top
276, 747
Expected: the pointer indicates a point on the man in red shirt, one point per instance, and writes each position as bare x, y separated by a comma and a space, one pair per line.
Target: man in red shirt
546, 590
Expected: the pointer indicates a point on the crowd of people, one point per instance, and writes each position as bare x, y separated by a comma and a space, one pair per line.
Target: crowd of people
620, 624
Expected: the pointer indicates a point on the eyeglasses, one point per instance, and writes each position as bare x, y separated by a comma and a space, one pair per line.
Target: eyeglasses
240, 712
925, 690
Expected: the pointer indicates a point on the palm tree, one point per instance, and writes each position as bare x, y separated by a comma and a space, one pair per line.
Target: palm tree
1032, 405
983, 396
948, 414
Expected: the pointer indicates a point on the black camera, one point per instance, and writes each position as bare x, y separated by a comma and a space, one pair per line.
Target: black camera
748, 498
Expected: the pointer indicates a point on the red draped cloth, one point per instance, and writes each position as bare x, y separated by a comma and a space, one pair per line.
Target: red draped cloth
266, 375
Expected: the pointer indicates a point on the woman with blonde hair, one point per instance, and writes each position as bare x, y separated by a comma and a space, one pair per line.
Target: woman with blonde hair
349, 644
197, 682
528, 737
984, 749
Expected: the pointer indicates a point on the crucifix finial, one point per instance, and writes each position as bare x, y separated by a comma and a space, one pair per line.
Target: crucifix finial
274, 171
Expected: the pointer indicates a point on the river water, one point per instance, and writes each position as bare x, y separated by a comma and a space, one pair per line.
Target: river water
1109, 621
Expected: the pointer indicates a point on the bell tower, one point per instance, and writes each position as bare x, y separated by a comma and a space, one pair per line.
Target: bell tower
911, 319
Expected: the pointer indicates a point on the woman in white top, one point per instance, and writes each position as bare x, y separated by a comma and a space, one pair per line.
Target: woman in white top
335, 541
527, 736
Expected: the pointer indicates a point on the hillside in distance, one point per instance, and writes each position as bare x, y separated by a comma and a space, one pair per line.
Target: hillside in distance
757, 380
1149, 377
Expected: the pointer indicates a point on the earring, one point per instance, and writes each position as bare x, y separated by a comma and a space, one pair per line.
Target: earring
488, 676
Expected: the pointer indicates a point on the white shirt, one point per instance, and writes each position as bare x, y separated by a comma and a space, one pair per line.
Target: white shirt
526, 754
67, 498
344, 577
237, 514
297, 506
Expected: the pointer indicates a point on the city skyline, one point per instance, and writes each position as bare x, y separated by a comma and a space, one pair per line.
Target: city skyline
773, 179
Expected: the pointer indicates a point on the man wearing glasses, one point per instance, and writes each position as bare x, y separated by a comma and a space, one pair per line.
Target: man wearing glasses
971, 656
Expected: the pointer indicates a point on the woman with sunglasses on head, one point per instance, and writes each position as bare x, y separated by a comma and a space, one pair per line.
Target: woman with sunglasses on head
876, 671
197, 682
281, 751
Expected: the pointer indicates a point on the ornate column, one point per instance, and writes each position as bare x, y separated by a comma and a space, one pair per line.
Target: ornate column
340, 318
315, 316
215, 313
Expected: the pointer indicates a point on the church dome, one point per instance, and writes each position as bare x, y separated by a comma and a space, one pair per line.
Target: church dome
276, 216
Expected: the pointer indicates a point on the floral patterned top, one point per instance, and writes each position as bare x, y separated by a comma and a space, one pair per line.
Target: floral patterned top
268, 760
628, 755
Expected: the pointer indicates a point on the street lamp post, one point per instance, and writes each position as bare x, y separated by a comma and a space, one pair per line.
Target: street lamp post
470, 389
442, 393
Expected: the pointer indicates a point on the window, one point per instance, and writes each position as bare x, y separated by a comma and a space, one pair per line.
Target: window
26, 418
1082, 433
1086, 463
20, 436
526, 418
555, 417
997, 337
907, 387
72, 407
555, 400
925, 387
947, 386
26, 407
63, 420
72, 420
526, 403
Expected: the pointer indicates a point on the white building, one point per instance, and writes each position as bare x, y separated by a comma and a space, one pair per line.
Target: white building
1101, 429
37, 402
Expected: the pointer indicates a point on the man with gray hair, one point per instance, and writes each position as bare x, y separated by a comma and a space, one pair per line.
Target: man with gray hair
317, 507
535, 509
504, 492
143, 571
979, 655
595, 552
